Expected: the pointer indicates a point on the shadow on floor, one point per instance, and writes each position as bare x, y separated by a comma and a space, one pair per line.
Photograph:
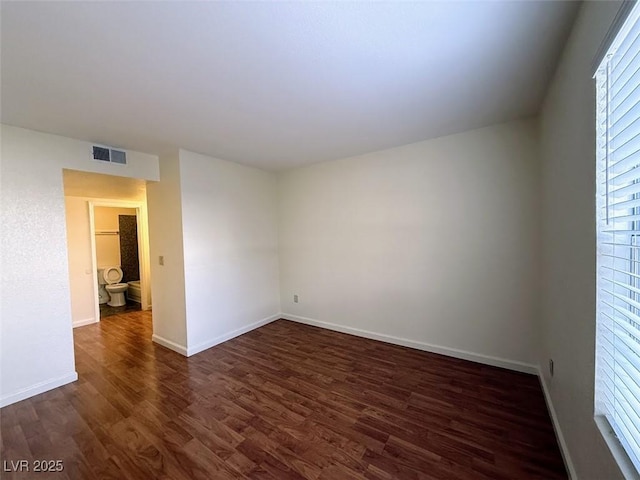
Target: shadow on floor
107, 311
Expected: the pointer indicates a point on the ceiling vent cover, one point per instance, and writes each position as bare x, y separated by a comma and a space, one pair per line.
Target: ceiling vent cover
105, 154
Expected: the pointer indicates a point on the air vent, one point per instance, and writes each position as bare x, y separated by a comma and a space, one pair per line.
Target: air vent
118, 156
101, 153
105, 154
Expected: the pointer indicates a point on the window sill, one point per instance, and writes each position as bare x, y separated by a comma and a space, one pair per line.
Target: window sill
620, 456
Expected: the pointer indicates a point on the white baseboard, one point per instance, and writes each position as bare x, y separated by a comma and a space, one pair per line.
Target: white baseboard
232, 334
451, 352
176, 347
37, 389
556, 428
86, 321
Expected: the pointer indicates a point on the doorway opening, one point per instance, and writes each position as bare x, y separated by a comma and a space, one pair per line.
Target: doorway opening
117, 257
108, 245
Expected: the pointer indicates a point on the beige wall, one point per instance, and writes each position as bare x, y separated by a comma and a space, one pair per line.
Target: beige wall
569, 243
81, 275
165, 240
108, 245
434, 244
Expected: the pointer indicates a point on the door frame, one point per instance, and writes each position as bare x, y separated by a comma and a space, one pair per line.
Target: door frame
143, 248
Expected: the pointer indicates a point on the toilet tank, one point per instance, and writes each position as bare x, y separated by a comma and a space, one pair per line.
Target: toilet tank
101, 277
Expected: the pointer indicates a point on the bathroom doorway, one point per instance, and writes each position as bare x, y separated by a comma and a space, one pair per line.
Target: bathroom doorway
118, 251
117, 254
85, 192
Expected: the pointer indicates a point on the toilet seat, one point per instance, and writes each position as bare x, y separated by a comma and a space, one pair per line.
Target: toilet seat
112, 275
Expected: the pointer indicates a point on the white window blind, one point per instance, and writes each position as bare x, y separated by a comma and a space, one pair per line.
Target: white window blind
618, 227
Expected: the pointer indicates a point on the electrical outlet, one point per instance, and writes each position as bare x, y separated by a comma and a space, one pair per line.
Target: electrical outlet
551, 367
161, 259
295, 299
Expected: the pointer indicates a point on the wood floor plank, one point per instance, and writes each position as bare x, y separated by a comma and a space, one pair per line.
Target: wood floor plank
286, 401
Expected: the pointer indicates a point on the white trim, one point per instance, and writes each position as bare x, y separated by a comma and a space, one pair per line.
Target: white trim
176, 347
564, 450
37, 389
94, 262
451, 352
86, 321
232, 334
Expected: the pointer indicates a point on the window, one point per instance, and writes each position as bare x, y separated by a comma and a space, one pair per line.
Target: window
618, 236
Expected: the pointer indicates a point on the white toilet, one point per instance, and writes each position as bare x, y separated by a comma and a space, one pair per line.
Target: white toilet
103, 295
112, 277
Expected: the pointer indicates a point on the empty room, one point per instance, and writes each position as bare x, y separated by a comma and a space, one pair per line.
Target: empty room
320, 240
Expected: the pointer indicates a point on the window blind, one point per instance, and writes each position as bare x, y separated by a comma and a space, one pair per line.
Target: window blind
618, 235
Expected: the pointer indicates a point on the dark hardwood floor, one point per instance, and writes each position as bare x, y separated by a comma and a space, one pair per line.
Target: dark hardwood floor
107, 310
285, 401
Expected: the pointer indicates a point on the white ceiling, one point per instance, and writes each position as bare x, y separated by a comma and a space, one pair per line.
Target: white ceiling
275, 84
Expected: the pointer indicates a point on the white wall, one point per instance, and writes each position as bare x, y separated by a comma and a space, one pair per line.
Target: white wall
108, 246
164, 206
229, 218
35, 305
434, 242
569, 248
